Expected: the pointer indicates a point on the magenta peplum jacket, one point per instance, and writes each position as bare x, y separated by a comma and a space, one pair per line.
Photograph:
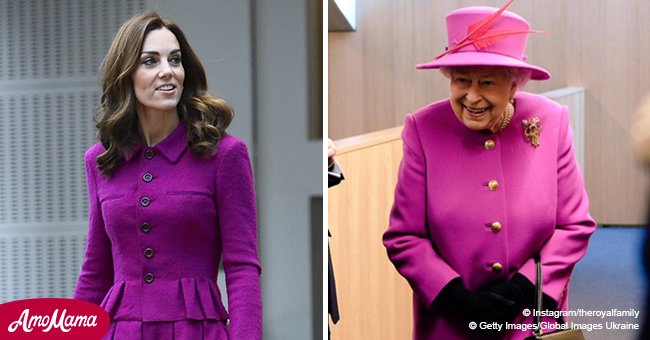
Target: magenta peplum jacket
158, 229
442, 224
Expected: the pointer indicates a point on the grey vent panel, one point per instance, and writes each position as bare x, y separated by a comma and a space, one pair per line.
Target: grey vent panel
58, 39
44, 135
36, 265
49, 87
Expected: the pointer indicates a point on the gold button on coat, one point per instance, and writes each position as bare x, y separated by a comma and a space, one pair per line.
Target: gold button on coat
497, 267
496, 226
493, 185
489, 144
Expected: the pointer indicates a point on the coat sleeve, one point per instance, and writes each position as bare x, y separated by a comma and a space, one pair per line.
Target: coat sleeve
334, 175
96, 275
574, 224
407, 239
238, 227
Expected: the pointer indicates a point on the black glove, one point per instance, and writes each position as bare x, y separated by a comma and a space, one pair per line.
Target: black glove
455, 299
517, 289
521, 291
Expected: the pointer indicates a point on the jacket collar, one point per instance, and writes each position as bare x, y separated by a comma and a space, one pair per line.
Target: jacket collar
171, 147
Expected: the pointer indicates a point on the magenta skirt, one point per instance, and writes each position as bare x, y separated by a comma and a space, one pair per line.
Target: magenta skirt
162, 330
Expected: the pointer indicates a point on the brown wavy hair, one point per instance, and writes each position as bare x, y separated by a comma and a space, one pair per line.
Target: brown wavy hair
205, 116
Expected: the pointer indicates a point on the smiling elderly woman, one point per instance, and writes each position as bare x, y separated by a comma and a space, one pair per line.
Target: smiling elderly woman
488, 183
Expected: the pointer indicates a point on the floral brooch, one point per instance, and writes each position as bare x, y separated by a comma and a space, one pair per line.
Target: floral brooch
532, 130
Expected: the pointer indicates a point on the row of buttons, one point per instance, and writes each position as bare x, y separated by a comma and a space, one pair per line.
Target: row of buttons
145, 202
494, 185
496, 227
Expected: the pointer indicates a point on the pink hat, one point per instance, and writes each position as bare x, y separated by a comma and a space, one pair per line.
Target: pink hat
486, 36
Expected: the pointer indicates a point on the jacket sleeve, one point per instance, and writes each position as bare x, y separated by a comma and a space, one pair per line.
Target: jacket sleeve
238, 227
574, 224
96, 275
407, 239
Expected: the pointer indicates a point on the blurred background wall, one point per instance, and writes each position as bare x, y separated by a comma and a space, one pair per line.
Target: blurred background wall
264, 57
600, 45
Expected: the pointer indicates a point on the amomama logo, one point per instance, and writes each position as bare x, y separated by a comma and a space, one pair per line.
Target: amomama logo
52, 318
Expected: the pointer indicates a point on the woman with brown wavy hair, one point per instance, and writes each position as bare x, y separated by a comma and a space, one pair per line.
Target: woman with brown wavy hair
170, 192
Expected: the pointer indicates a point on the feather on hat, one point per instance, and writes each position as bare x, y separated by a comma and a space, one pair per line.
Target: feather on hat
486, 36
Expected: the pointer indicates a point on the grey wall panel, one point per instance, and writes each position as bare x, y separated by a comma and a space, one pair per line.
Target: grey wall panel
292, 165
255, 55
220, 33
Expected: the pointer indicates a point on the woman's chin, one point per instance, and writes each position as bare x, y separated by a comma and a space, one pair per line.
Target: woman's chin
475, 125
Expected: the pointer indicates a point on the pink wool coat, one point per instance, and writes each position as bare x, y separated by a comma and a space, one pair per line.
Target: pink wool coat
158, 229
442, 221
